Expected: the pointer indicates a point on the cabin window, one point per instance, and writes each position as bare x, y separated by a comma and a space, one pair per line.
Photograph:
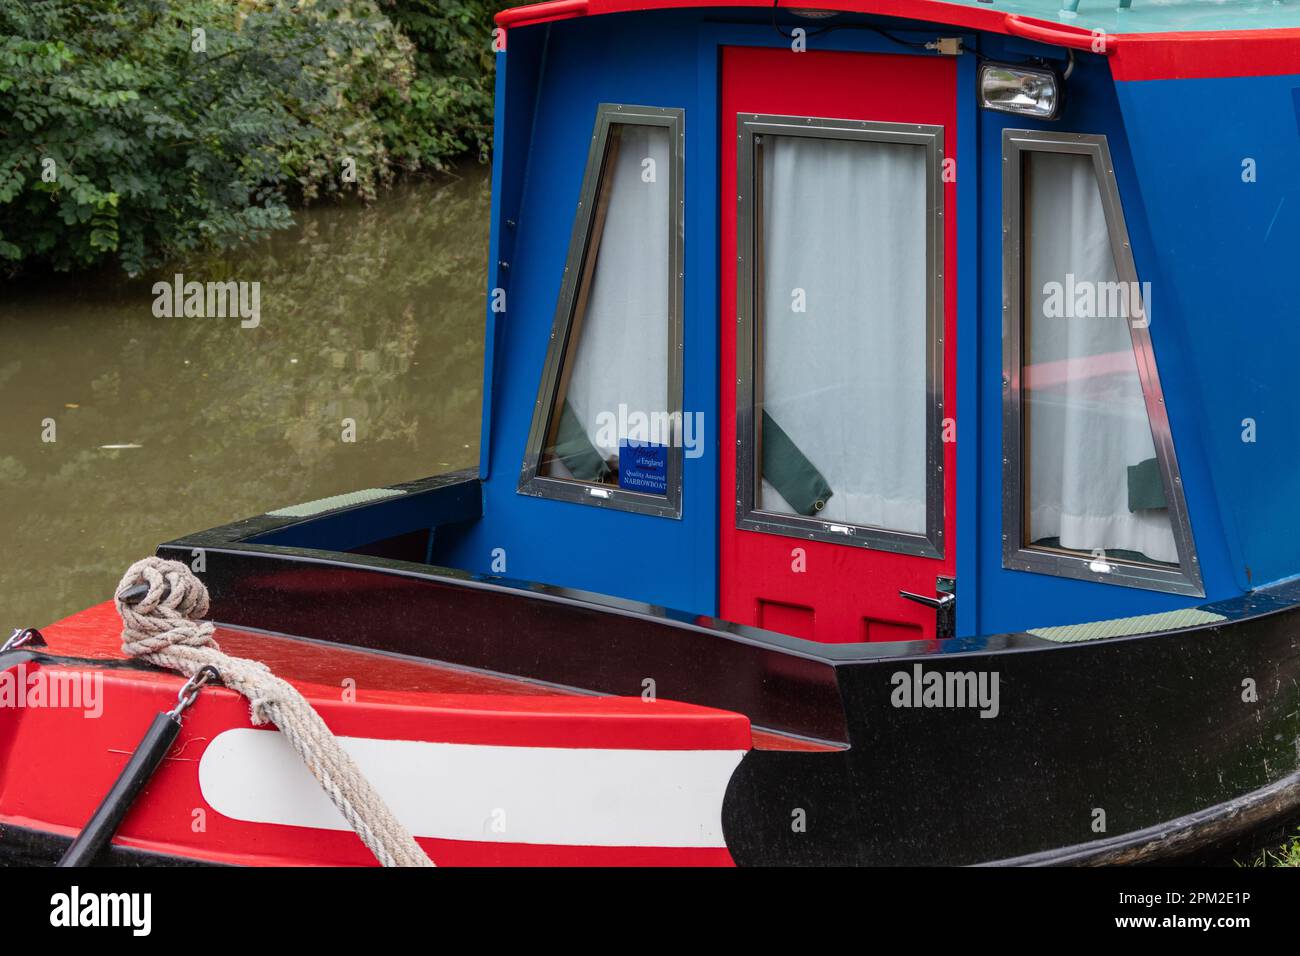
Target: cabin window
607, 429
840, 368
1091, 483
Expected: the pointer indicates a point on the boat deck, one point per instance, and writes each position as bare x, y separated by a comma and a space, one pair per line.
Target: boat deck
328, 675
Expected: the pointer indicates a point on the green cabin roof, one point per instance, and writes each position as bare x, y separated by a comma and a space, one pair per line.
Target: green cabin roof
1155, 16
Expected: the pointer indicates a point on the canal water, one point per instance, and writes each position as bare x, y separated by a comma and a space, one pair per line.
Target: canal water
120, 429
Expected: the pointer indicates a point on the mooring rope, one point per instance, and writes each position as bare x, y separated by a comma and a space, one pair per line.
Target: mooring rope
166, 628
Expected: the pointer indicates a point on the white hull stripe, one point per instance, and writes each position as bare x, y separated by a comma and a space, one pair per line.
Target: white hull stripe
490, 794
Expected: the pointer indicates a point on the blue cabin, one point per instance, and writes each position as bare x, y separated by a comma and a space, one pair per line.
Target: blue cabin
813, 320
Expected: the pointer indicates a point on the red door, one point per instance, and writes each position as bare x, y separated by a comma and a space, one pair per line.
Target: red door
838, 343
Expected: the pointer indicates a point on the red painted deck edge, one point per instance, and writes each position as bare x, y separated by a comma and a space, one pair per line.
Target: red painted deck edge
399, 698
770, 740
1210, 54
381, 680
315, 667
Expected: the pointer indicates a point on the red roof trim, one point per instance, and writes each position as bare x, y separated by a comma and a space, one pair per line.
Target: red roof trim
1103, 43
955, 14
1227, 53
542, 12
1134, 56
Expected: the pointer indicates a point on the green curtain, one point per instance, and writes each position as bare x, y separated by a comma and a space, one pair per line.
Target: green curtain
576, 451
1145, 489
790, 472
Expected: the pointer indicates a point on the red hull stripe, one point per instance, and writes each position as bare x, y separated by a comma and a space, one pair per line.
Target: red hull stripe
1133, 56
57, 761
281, 846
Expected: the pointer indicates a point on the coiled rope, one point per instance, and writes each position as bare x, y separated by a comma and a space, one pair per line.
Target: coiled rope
166, 628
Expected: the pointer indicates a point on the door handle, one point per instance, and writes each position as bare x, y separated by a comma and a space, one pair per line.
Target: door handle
945, 611
943, 600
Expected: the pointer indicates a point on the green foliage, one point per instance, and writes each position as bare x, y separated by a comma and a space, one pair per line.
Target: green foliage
1286, 855
447, 111
127, 134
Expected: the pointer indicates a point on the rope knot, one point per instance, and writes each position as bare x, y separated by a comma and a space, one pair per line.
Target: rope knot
169, 615
165, 628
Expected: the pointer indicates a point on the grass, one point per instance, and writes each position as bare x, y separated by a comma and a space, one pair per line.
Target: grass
1288, 854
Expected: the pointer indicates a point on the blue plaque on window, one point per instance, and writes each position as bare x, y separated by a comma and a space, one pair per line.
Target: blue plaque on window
643, 466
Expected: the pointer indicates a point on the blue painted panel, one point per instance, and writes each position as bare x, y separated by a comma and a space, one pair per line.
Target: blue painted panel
1013, 600
644, 62
968, 351
511, 131
1230, 250
501, 147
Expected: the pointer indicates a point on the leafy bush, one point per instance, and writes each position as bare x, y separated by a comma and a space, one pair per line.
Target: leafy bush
146, 129
447, 111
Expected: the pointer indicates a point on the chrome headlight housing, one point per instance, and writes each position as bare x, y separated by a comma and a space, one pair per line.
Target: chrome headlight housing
1023, 90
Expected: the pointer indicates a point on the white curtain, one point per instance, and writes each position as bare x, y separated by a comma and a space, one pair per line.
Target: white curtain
1087, 420
622, 351
844, 225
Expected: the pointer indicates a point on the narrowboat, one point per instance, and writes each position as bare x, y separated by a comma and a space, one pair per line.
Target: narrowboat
887, 458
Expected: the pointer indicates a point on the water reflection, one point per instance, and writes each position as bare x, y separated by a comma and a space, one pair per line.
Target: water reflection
370, 314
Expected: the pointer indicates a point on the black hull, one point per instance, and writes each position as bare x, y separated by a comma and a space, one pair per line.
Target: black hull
1257, 820
24, 846
1153, 731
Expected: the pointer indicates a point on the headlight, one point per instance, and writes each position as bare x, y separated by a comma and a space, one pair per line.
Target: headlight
1027, 90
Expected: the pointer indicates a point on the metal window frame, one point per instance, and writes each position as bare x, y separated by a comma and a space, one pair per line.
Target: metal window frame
750, 127
1016, 554
531, 482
